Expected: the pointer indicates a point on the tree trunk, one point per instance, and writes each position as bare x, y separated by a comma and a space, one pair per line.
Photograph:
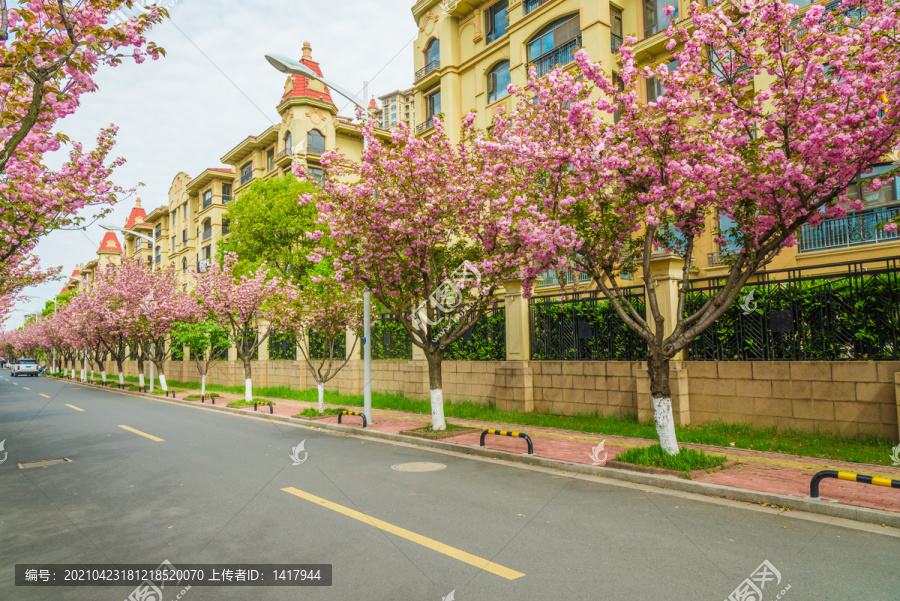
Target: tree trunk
140, 362
202, 385
660, 392
103, 375
437, 393
248, 381
321, 388
162, 381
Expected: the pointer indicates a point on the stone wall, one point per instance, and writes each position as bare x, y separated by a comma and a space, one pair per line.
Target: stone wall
845, 397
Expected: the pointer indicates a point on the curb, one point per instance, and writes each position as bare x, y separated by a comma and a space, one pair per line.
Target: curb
808, 504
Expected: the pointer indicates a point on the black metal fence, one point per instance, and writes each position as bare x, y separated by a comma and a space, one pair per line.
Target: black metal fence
485, 341
282, 346
840, 311
390, 340
318, 346
584, 326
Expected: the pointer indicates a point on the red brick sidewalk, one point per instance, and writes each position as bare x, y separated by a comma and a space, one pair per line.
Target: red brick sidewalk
757, 471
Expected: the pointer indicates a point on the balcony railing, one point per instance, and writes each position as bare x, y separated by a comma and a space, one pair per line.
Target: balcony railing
719, 258
530, 5
207, 233
246, 177
427, 69
561, 55
316, 149
615, 42
284, 152
428, 124
854, 229
551, 278
158, 234
226, 198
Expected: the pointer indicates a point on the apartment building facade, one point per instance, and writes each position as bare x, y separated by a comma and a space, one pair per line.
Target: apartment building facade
467, 53
397, 106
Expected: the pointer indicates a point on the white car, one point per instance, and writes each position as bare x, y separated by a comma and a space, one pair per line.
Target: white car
24, 367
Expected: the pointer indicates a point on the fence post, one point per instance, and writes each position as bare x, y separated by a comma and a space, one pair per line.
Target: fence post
518, 323
665, 277
264, 347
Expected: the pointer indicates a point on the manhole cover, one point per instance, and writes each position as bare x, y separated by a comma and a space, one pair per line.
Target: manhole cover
24, 465
418, 466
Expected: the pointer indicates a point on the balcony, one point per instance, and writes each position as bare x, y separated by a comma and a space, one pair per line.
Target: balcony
432, 66
315, 149
720, 258
281, 154
226, 198
615, 42
428, 124
207, 233
855, 229
246, 177
561, 55
530, 5
551, 278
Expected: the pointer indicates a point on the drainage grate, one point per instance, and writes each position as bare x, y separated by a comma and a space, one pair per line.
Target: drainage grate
24, 465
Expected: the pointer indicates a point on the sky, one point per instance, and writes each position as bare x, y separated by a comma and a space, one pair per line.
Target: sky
213, 89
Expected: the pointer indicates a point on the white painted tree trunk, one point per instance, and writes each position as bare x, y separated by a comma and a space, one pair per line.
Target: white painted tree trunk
121, 379
321, 388
437, 409
248, 390
203, 385
92, 375
162, 382
83, 373
65, 372
665, 425
103, 376
141, 379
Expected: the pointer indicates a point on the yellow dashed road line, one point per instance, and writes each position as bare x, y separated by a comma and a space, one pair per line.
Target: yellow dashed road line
144, 434
74, 407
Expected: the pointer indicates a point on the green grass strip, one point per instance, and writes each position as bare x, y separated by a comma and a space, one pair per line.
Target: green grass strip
685, 461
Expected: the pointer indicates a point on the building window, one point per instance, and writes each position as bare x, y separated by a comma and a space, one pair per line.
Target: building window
226, 193
184, 236
185, 210
246, 172
433, 53
655, 20
615, 32
184, 265
158, 231
655, 88
554, 45
317, 174
288, 142
620, 85
315, 142
158, 254
173, 245
207, 199
137, 244
207, 229
497, 81
207, 253
497, 20
530, 5
270, 159
433, 105
225, 224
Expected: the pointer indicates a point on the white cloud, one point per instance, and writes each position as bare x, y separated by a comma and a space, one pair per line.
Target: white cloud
181, 113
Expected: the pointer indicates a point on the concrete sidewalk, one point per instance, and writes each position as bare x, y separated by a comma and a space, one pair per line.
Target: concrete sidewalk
754, 471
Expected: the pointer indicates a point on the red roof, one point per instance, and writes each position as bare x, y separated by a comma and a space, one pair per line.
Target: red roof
110, 243
137, 213
222, 169
301, 87
373, 104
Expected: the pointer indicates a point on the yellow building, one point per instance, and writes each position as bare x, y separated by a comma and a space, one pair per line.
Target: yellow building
188, 227
467, 52
397, 106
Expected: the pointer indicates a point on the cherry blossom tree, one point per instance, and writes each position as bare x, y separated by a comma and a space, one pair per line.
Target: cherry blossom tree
324, 308
431, 229
50, 52
240, 305
767, 120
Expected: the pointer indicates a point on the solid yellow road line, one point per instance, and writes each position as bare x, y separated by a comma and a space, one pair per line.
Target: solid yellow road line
144, 434
73, 407
44, 395
434, 545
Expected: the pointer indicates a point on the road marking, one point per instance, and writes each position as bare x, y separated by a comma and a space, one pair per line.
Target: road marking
26, 388
434, 545
73, 407
43, 395
144, 434
15, 383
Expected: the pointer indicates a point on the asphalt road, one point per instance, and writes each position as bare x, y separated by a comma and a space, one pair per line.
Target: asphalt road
212, 491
